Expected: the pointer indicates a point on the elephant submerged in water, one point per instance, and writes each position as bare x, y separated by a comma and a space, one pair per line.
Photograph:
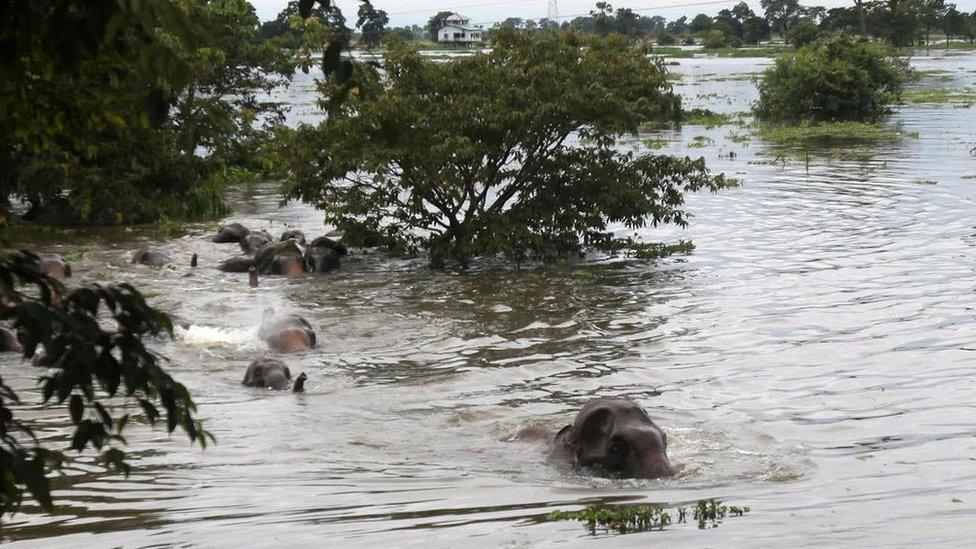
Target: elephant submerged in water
228, 234
53, 265
322, 255
9, 342
286, 332
289, 257
613, 437
150, 256
272, 374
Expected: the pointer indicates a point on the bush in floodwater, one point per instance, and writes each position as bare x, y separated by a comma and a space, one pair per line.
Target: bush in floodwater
715, 39
803, 34
836, 78
476, 157
707, 513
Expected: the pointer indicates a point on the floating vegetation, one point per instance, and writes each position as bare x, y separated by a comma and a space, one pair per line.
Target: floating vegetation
737, 137
748, 51
831, 131
642, 518
938, 96
650, 250
701, 141
655, 143
969, 176
170, 228
707, 118
926, 182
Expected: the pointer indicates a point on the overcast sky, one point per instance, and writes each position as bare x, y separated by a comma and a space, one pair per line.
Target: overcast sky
406, 12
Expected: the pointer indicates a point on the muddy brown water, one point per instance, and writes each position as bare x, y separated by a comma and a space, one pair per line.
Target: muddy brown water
813, 359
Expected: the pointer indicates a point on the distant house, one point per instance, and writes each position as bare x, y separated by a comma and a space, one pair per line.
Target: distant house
459, 30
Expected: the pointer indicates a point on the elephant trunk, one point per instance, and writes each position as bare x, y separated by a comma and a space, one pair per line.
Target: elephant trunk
299, 386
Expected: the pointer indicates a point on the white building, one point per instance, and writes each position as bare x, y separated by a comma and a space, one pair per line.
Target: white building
459, 30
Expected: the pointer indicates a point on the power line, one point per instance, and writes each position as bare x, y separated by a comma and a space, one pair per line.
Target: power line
646, 8
456, 8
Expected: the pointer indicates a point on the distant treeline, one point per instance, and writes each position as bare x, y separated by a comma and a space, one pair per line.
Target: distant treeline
900, 22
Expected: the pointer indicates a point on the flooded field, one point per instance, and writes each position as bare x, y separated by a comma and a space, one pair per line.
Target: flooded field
812, 359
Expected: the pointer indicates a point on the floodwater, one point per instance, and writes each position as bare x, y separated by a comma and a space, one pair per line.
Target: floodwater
813, 359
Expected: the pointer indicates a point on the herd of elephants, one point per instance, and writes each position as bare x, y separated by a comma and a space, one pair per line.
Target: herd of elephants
610, 437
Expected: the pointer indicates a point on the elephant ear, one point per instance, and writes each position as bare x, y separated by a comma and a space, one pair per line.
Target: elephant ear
254, 374
591, 435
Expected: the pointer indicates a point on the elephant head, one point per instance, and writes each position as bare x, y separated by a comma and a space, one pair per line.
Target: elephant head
53, 265
150, 256
286, 333
294, 234
230, 233
614, 437
323, 254
9, 342
272, 374
254, 240
283, 258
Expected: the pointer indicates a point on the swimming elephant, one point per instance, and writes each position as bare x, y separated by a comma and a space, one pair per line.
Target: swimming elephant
9, 342
286, 333
241, 264
254, 240
150, 256
294, 234
322, 255
613, 437
272, 374
230, 233
53, 265
280, 258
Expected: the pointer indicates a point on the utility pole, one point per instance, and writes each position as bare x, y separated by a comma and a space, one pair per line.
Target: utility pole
552, 12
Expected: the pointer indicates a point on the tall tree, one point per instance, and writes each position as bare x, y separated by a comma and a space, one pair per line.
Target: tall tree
755, 29
701, 23
603, 20
474, 157
372, 22
782, 14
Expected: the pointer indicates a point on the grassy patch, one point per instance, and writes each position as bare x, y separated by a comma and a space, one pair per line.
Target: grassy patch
938, 96
655, 143
746, 51
642, 518
707, 118
832, 131
750, 51
701, 141
737, 137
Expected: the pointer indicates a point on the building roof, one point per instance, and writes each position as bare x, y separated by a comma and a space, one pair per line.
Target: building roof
463, 27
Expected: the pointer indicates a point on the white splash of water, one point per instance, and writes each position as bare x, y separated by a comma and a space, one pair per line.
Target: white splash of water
213, 336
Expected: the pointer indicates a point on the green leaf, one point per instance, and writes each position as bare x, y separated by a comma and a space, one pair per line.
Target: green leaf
77, 408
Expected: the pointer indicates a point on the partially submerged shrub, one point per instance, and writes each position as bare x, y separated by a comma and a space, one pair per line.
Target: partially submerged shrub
834, 79
803, 33
707, 513
715, 39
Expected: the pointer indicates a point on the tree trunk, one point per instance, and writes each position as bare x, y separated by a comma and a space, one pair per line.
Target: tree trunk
863, 17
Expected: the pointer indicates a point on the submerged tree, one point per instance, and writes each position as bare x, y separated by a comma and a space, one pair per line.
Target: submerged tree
837, 78
510, 151
93, 340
